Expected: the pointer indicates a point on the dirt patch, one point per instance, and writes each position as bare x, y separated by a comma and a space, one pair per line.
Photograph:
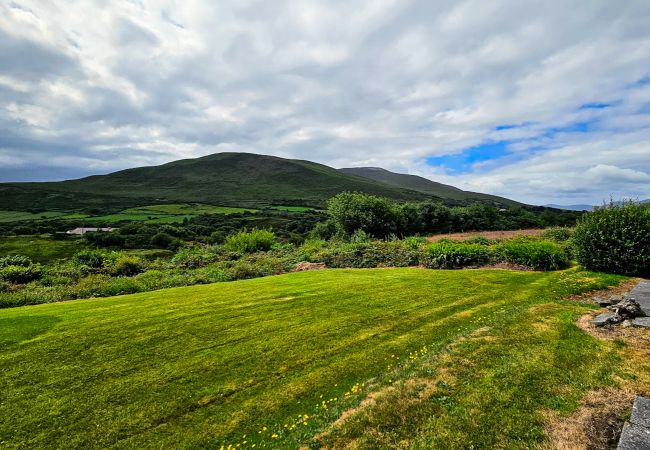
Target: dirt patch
508, 266
636, 339
596, 425
304, 266
613, 291
598, 422
492, 235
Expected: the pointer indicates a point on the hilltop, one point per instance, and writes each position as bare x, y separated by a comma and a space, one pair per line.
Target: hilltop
231, 179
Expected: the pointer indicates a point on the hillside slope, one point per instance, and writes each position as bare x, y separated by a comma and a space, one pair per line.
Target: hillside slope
425, 185
237, 179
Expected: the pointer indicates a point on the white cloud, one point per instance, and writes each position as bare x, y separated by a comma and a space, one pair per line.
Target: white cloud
385, 83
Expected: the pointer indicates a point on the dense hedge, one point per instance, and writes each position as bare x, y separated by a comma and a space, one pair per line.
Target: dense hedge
455, 255
538, 255
616, 239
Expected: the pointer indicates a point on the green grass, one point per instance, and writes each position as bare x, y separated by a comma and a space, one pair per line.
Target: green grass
232, 362
292, 208
16, 216
41, 249
165, 213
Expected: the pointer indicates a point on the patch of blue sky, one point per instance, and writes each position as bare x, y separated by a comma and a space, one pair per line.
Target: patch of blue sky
596, 105
510, 126
464, 162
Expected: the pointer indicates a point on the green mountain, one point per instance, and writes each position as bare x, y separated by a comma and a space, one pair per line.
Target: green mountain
426, 186
237, 179
229, 179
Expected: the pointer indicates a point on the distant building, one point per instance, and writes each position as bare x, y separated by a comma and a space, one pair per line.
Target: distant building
80, 231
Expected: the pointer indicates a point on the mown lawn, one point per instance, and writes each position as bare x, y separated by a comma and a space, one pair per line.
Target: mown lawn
456, 359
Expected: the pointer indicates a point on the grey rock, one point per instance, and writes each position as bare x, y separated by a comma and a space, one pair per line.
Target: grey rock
626, 323
605, 319
634, 437
627, 309
643, 322
605, 301
641, 412
641, 293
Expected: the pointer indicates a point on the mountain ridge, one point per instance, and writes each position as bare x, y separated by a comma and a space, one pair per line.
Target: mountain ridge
229, 179
424, 185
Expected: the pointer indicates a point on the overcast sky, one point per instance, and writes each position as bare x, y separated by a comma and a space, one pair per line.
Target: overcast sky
545, 101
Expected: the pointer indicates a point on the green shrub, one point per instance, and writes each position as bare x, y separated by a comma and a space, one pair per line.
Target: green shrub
152, 279
250, 241
414, 242
127, 266
95, 259
360, 237
15, 260
481, 240
616, 239
454, 255
91, 286
56, 280
370, 254
538, 255
213, 274
5, 287
120, 286
558, 234
194, 257
21, 274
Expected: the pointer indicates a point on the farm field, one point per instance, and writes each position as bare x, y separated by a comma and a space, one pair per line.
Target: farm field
17, 216
471, 358
153, 214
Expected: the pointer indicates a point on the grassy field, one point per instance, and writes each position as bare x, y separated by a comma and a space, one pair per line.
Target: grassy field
17, 216
41, 249
451, 359
167, 213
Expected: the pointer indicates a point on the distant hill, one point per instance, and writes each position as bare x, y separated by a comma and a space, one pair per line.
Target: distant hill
571, 207
238, 179
229, 179
426, 186
583, 207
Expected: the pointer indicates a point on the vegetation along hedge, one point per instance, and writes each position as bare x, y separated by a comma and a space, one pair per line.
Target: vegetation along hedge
615, 238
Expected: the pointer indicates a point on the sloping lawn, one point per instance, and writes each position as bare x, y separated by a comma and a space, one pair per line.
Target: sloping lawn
272, 362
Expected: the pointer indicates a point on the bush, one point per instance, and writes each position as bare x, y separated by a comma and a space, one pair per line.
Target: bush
127, 266
95, 259
15, 260
21, 274
370, 254
557, 234
615, 238
194, 257
120, 286
481, 240
538, 255
91, 286
354, 211
454, 255
250, 241
164, 240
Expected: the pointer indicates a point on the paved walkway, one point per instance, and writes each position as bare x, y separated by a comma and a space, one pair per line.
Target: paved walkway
641, 293
636, 432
